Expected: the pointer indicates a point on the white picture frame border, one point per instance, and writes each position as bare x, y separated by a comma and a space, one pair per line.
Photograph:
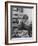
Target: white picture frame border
28, 40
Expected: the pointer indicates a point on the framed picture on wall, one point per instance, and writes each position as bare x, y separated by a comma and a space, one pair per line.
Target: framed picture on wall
20, 22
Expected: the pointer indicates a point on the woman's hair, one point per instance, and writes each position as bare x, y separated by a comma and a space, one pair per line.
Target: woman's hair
25, 17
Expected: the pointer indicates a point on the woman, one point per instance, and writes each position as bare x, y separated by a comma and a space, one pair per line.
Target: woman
24, 26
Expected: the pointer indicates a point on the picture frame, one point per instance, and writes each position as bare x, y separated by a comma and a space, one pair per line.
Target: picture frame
20, 22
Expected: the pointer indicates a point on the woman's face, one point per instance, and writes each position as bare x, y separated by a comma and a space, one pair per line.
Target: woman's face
24, 20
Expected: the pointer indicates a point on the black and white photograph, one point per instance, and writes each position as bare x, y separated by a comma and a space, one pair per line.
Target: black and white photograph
20, 22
